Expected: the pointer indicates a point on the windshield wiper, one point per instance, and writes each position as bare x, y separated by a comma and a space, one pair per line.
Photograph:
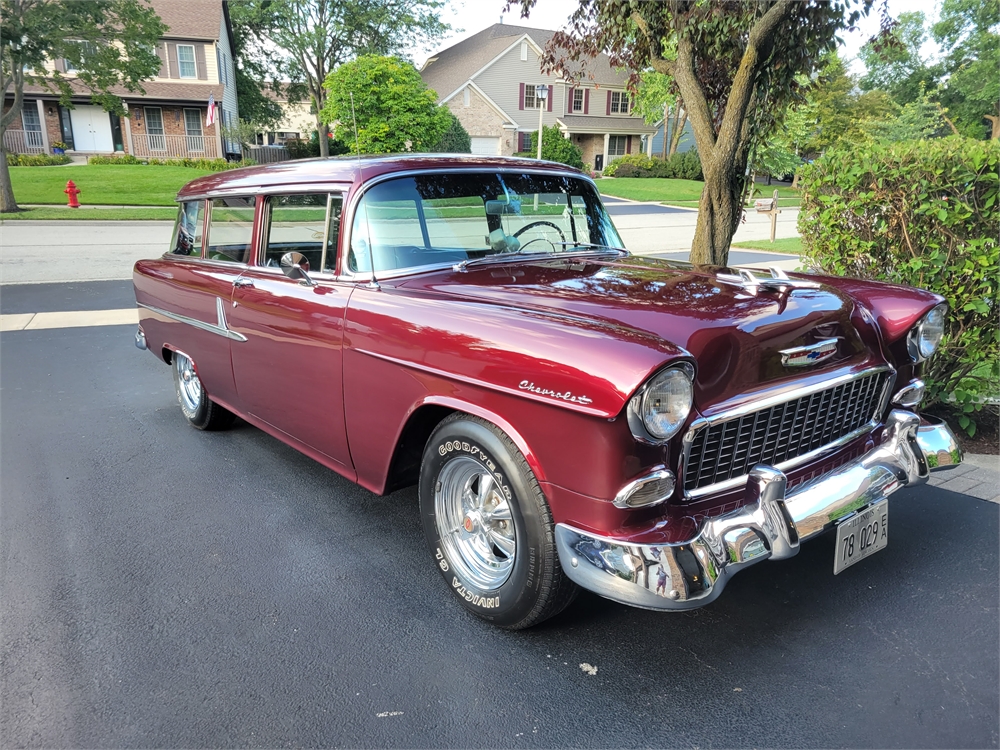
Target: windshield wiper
587, 249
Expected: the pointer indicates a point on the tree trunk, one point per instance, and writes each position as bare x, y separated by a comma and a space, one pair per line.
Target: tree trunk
7, 203
680, 121
795, 180
719, 213
666, 119
995, 121
324, 143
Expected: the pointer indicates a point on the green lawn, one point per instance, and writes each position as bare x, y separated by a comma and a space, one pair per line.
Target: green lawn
684, 193
791, 245
102, 184
93, 214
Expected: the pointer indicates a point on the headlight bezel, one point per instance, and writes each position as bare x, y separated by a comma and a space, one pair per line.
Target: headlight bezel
915, 339
636, 405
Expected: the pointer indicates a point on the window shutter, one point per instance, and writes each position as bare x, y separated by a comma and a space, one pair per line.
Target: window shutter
607, 110
550, 99
520, 97
172, 60
161, 52
199, 61
586, 101
628, 145
60, 65
569, 100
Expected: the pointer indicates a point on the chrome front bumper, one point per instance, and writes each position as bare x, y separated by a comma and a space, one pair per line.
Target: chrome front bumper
770, 526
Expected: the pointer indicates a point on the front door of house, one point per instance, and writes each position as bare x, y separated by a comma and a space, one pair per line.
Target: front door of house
91, 129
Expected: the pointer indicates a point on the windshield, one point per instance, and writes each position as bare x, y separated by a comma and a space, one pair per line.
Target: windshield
432, 219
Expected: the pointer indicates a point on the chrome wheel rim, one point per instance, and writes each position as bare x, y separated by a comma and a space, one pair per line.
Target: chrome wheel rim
188, 386
474, 523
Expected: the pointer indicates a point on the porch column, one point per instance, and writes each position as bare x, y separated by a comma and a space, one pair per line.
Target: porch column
45, 130
607, 139
128, 131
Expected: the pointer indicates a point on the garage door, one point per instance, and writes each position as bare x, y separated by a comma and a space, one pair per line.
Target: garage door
485, 146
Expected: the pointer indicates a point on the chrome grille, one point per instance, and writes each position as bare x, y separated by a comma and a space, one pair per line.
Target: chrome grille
730, 448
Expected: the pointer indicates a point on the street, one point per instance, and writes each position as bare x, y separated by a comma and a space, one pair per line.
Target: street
168, 587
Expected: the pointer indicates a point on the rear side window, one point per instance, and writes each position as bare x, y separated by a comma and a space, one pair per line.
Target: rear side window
230, 230
187, 232
299, 223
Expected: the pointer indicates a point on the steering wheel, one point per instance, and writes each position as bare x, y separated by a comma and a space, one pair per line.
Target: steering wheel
541, 222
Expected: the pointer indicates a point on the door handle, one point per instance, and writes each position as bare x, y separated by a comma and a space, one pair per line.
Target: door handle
242, 283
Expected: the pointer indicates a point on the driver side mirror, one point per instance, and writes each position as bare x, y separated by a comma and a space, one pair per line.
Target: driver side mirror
296, 266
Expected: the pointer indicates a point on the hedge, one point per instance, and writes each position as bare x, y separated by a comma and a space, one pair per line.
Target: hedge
212, 165
683, 165
36, 160
925, 214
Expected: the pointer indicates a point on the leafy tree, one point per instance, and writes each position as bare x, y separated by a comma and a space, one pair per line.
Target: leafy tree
969, 34
655, 99
895, 65
737, 68
455, 140
255, 73
110, 43
243, 132
556, 147
918, 120
395, 110
305, 40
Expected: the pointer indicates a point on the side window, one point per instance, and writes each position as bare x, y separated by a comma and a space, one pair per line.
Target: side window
187, 232
230, 229
299, 223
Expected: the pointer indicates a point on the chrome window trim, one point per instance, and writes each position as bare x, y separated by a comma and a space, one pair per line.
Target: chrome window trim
265, 225
347, 218
749, 408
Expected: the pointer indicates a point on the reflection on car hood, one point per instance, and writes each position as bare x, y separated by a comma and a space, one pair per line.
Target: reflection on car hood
736, 333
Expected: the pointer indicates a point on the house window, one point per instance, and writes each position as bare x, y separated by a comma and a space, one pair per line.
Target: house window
32, 126
616, 145
524, 51
578, 100
619, 102
529, 96
154, 129
186, 67
87, 49
192, 128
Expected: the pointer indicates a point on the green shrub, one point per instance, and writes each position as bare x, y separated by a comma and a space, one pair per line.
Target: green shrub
685, 165
921, 213
556, 147
212, 165
36, 160
456, 139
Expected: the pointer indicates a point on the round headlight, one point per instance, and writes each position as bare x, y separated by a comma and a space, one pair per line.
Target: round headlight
666, 402
926, 335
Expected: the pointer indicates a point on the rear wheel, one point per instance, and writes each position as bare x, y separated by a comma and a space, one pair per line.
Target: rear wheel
488, 525
197, 407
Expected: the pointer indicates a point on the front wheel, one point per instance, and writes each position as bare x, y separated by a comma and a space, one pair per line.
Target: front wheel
488, 525
197, 407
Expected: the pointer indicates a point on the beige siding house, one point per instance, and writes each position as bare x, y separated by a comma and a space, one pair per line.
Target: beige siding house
488, 80
169, 120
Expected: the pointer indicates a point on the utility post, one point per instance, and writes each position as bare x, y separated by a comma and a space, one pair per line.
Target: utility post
541, 94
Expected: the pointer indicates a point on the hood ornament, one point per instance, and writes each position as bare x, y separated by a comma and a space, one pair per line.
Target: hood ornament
806, 356
778, 280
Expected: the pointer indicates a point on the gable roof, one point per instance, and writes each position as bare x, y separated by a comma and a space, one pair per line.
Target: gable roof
449, 69
190, 19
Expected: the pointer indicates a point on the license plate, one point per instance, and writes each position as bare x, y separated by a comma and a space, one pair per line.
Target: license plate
861, 536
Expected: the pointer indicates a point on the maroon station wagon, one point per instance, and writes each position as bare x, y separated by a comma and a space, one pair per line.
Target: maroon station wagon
572, 415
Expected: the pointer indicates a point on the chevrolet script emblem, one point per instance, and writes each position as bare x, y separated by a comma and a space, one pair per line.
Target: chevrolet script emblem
806, 356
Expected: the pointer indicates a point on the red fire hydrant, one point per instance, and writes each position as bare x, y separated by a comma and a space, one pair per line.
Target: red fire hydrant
72, 191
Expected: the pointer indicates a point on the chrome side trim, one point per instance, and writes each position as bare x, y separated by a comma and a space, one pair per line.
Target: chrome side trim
219, 328
702, 422
772, 525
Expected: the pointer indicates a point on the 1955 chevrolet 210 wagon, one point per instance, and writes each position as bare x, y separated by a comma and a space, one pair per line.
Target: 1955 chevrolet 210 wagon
571, 414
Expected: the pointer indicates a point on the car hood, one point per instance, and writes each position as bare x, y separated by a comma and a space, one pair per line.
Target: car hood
736, 334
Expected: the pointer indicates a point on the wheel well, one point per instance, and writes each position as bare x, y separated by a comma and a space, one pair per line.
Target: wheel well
168, 356
405, 467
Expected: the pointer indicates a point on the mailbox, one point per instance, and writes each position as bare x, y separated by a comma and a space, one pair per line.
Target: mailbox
764, 205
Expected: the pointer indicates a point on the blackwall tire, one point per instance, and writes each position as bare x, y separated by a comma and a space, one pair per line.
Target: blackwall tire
196, 406
488, 525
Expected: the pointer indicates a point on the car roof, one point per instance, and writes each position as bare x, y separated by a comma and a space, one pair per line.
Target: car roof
348, 169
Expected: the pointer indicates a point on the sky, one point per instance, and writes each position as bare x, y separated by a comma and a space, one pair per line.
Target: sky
473, 16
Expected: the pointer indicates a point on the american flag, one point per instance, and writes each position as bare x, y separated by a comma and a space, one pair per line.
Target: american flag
210, 116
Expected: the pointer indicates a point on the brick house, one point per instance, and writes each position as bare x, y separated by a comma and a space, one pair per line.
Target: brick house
488, 80
169, 120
